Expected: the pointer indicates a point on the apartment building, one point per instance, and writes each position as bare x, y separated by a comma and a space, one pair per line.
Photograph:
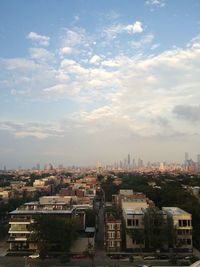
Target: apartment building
182, 221
21, 234
136, 207
112, 232
133, 223
129, 199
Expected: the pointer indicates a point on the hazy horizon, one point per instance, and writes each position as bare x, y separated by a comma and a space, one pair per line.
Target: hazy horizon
82, 81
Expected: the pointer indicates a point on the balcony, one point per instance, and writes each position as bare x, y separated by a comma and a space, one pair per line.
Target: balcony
17, 239
18, 229
21, 221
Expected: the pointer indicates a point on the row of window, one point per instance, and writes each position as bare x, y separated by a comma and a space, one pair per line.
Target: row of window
184, 223
113, 244
184, 232
185, 241
114, 234
132, 222
113, 226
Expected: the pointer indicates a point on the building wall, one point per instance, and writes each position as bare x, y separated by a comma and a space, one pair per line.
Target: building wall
131, 223
183, 225
113, 233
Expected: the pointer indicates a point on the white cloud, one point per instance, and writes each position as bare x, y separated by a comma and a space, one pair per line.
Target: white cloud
155, 46
66, 50
59, 88
133, 28
39, 39
41, 54
18, 64
156, 3
30, 129
110, 63
76, 18
147, 39
73, 37
125, 90
95, 59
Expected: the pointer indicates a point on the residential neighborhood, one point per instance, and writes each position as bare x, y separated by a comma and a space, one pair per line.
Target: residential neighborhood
73, 216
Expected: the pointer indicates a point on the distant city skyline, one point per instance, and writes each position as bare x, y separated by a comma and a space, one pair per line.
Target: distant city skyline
129, 161
82, 81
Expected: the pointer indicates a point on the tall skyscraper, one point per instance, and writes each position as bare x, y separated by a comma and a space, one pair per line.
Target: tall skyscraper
133, 163
198, 162
38, 166
129, 159
186, 156
198, 159
140, 163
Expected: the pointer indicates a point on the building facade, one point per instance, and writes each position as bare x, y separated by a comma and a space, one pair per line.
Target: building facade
21, 231
113, 232
182, 221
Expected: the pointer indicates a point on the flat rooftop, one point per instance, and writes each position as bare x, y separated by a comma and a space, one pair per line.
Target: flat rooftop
126, 191
174, 210
32, 212
138, 211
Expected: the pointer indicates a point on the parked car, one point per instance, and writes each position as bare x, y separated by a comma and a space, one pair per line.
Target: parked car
79, 256
163, 257
116, 257
149, 258
34, 256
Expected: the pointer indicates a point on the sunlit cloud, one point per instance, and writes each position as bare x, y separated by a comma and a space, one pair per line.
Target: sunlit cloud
39, 39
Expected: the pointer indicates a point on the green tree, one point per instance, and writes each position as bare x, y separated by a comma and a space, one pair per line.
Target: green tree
54, 233
138, 236
171, 232
155, 228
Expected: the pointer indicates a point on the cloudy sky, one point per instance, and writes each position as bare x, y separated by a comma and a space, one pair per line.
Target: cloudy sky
88, 80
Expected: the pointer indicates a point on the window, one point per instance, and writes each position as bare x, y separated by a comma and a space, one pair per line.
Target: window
189, 241
111, 234
180, 232
184, 223
118, 234
129, 222
111, 244
118, 226
111, 226
136, 222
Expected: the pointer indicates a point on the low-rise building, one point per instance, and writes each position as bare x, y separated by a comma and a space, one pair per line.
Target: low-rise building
133, 223
21, 233
182, 221
113, 232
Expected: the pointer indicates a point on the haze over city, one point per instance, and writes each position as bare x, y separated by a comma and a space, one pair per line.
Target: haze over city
82, 81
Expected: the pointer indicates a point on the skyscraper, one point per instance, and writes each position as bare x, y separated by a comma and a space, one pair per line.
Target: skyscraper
129, 161
186, 158
198, 162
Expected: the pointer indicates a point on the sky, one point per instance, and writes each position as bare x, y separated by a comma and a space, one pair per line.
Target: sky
83, 81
